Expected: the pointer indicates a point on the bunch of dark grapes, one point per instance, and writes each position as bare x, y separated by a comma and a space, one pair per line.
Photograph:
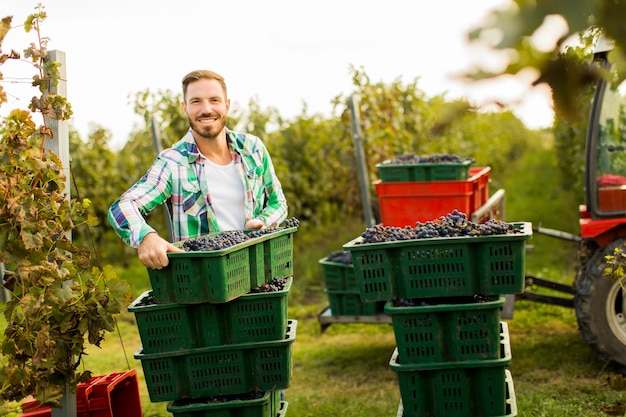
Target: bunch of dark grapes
276, 284
412, 159
413, 302
147, 300
407, 302
230, 238
453, 224
252, 395
340, 256
260, 232
495, 227
482, 298
222, 240
292, 222
378, 234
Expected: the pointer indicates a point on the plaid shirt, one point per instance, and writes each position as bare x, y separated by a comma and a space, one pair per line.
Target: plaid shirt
178, 174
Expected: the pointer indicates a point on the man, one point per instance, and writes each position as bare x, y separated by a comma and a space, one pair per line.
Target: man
216, 179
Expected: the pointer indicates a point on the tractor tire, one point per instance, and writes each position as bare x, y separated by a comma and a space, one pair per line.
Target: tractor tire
600, 310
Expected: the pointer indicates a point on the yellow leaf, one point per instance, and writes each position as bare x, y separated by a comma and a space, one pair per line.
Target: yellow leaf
92, 220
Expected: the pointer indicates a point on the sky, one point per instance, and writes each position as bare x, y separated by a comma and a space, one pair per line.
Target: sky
283, 53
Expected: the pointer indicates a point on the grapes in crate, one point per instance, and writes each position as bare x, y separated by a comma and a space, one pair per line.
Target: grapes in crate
411, 159
247, 396
222, 240
340, 256
230, 238
422, 302
275, 285
454, 224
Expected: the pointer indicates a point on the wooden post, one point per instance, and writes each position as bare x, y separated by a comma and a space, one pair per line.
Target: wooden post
60, 144
361, 165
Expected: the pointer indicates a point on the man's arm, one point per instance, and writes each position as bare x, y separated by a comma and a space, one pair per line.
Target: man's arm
275, 211
126, 215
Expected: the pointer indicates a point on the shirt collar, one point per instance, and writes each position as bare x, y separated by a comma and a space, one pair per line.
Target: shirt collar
193, 152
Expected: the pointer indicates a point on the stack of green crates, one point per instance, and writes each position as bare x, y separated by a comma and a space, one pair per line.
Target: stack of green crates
416, 171
341, 286
210, 345
444, 297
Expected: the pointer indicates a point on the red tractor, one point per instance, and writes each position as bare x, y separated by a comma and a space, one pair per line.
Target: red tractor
599, 299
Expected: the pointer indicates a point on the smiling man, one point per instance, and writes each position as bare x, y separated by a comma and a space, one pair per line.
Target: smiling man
215, 179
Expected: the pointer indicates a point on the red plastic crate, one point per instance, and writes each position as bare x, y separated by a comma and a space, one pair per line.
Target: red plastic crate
32, 408
404, 203
479, 177
112, 395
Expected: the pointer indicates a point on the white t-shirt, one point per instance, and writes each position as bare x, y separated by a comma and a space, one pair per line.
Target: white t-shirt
227, 194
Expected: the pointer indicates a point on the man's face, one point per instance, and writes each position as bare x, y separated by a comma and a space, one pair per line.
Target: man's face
206, 108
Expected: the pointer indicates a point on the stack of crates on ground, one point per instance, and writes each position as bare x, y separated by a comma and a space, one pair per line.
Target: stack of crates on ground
342, 289
112, 395
410, 190
216, 340
444, 297
443, 294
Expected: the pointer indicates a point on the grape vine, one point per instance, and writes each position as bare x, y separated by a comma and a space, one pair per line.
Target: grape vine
58, 302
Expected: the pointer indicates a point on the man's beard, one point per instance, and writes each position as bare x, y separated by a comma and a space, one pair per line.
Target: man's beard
208, 132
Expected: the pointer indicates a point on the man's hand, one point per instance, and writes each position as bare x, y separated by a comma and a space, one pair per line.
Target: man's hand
153, 250
254, 224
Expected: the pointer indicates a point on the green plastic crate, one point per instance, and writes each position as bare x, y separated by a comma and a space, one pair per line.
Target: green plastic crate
424, 172
338, 276
455, 389
441, 267
253, 317
222, 275
267, 406
348, 303
511, 401
449, 331
278, 252
220, 370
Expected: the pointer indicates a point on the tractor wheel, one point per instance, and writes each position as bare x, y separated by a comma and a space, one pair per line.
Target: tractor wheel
600, 309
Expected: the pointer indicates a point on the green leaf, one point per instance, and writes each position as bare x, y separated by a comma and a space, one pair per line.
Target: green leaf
120, 295
64, 294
